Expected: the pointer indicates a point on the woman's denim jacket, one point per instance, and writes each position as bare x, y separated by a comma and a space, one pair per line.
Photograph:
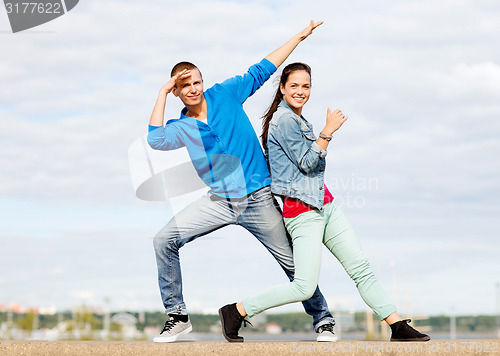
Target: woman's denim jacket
296, 162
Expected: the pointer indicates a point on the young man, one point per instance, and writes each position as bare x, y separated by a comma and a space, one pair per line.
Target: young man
227, 155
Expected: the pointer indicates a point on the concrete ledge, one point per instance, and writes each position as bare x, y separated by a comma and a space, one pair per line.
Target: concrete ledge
291, 347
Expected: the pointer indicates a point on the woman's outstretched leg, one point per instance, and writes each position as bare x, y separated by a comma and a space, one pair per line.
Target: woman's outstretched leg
342, 242
340, 239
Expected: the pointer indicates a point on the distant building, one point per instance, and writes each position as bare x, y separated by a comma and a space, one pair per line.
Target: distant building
48, 310
128, 328
344, 320
14, 307
273, 328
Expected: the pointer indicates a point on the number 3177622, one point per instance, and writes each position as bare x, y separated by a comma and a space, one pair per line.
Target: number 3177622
33, 8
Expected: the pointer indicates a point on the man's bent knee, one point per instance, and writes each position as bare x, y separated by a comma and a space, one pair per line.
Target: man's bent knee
162, 241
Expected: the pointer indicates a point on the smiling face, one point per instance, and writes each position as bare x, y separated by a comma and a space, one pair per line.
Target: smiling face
297, 90
190, 89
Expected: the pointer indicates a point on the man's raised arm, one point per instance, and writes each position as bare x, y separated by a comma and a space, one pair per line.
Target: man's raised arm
281, 54
159, 109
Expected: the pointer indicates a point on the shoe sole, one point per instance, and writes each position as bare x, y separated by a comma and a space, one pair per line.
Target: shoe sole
326, 339
224, 332
427, 338
175, 337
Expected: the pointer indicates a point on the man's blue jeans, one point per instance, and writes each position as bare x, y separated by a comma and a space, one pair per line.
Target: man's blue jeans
258, 213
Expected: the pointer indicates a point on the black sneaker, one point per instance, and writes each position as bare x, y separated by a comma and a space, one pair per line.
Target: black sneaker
231, 320
401, 331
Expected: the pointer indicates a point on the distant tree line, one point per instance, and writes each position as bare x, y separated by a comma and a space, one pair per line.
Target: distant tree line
290, 322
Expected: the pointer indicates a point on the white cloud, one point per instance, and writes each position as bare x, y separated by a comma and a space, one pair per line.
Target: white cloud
419, 80
85, 295
477, 81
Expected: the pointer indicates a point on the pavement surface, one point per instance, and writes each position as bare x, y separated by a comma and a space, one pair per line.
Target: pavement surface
274, 348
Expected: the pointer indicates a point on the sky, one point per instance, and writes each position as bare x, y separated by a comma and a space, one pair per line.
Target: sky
415, 169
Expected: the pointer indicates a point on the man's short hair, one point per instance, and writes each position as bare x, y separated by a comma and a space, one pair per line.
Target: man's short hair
179, 67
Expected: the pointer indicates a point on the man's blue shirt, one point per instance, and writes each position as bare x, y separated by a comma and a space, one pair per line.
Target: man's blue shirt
225, 152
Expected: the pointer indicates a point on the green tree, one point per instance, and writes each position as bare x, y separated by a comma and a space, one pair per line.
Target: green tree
26, 322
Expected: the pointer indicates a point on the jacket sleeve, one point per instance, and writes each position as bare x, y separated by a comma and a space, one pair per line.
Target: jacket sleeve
164, 138
243, 86
297, 148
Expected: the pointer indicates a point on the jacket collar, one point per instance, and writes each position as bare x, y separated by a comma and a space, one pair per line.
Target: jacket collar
303, 122
283, 104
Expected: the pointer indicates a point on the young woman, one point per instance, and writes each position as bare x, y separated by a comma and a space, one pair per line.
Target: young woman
311, 216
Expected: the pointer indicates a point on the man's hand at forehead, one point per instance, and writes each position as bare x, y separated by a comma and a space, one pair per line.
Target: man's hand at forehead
167, 88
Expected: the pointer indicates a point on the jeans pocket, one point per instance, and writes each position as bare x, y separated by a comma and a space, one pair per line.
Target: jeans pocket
261, 194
